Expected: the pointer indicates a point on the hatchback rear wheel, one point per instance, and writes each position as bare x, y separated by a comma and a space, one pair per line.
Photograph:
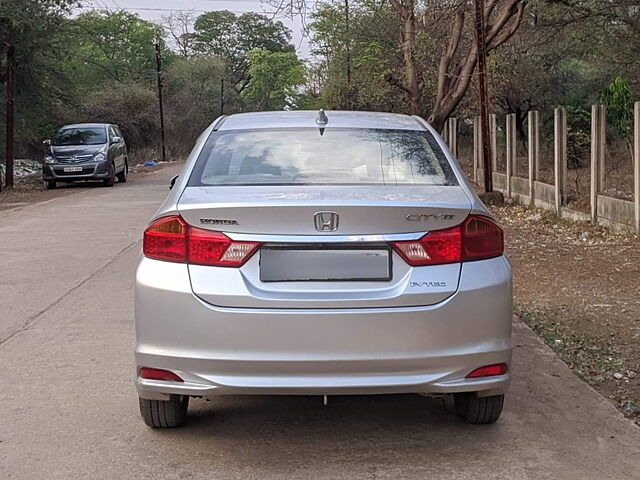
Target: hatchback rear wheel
478, 410
164, 414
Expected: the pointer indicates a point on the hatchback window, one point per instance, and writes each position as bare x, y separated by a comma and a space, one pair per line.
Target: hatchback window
329, 157
80, 136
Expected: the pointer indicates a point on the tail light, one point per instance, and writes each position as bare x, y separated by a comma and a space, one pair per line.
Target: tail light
171, 239
166, 240
477, 238
215, 248
481, 239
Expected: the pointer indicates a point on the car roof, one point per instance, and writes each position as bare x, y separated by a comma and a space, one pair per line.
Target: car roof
307, 118
88, 125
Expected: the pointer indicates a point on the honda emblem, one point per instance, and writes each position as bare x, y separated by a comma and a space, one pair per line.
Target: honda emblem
326, 221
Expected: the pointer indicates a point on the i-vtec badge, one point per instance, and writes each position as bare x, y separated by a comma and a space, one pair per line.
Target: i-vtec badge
415, 217
428, 284
218, 221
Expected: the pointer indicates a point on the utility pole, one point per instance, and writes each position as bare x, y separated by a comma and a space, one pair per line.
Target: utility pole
481, 41
347, 21
10, 103
160, 86
222, 96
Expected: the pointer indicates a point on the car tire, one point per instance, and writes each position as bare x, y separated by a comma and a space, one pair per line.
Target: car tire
478, 410
51, 185
164, 414
122, 176
108, 182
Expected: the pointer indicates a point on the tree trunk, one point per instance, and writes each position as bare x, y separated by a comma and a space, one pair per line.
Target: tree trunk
408, 45
438, 120
411, 83
456, 71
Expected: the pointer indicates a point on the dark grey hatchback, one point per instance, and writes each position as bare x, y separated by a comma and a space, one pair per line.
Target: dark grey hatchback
88, 151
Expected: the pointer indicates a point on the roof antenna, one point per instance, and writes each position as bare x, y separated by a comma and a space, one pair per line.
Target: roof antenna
322, 120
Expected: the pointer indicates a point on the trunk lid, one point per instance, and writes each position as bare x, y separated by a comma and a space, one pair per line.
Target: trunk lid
284, 218
290, 210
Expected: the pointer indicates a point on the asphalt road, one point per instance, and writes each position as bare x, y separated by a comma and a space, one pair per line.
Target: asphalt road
68, 408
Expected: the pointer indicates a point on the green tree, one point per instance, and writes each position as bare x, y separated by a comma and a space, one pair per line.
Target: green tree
371, 45
618, 98
42, 86
275, 78
115, 46
232, 37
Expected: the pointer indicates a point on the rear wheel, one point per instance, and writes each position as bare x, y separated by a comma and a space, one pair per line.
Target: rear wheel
51, 185
108, 182
164, 414
478, 410
122, 176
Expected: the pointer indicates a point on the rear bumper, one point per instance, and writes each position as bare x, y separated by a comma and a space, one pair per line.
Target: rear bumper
221, 351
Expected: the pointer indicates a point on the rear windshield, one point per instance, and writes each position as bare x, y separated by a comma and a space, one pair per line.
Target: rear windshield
80, 136
315, 157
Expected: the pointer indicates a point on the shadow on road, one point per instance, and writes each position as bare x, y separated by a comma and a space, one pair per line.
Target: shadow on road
291, 434
343, 413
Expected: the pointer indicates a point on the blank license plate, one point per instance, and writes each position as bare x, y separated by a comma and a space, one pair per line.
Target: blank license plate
72, 169
346, 264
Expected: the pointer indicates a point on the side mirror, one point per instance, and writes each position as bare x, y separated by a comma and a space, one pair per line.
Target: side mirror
116, 139
47, 143
173, 181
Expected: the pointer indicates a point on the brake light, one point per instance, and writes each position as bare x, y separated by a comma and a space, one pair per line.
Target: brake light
171, 239
489, 371
477, 238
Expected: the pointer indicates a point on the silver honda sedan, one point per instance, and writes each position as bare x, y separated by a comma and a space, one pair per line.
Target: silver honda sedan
313, 253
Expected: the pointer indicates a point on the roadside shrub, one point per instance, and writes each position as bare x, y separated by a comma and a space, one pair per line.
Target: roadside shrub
578, 148
193, 89
578, 136
132, 106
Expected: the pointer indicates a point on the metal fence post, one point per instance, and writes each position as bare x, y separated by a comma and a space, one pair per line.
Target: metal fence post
636, 165
511, 149
560, 157
493, 134
534, 152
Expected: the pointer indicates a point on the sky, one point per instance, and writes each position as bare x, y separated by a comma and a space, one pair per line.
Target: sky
154, 10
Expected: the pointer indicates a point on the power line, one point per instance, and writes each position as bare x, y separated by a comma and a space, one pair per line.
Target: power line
96, 5
156, 9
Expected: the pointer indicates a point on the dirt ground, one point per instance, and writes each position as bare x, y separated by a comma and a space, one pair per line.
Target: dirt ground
31, 189
578, 287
